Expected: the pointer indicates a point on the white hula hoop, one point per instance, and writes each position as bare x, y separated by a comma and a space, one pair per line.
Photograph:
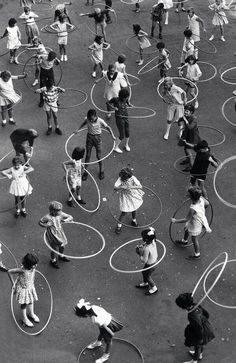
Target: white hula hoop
142, 269
50, 313
90, 162
131, 2
140, 71
78, 257
4, 177
223, 111
222, 74
132, 76
210, 78
207, 293
226, 161
182, 78
75, 200
214, 283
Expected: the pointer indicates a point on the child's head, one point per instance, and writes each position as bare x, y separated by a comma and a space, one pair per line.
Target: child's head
191, 59
125, 174
6, 75
92, 115
136, 28
124, 94
184, 301
51, 56
98, 39
194, 193
26, 10
62, 18
160, 46
33, 133
55, 208
78, 153
16, 162
191, 12
202, 145
29, 261
57, 13
148, 235
188, 33
160, 6
168, 83
83, 309
12, 22
189, 109
49, 83
111, 69
121, 58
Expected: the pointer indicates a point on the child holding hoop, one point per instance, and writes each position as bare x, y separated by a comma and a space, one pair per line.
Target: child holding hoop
194, 221
167, 5
130, 196
107, 324
164, 63
14, 39
188, 46
20, 186
99, 17
120, 66
148, 254
31, 27
24, 288
199, 331
219, 18
97, 54
61, 26
143, 41
157, 14
73, 169
194, 23
62, 10
55, 234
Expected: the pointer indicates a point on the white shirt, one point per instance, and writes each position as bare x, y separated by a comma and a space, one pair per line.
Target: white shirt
102, 318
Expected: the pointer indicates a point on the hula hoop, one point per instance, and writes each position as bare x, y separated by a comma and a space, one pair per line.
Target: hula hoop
226, 161
134, 50
140, 71
50, 313
90, 162
171, 224
142, 269
207, 292
187, 172
12, 255
78, 257
210, 78
182, 78
48, 30
138, 227
77, 104
222, 74
132, 76
219, 132
75, 200
26, 50
223, 111
227, 65
5, 177
132, 2
19, 100
204, 51
50, 6
214, 283
118, 339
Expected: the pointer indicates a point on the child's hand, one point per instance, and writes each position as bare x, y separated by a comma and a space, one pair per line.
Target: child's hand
208, 230
9, 176
25, 74
113, 137
173, 220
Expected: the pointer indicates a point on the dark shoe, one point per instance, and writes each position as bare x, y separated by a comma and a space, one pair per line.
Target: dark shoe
118, 230
160, 36
84, 176
181, 242
40, 104
148, 293
70, 203
65, 259
23, 213
184, 10
193, 257
134, 224
185, 161
58, 131
81, 201
141, 286
54, 264
17, 214
101, 175
49, 131
4, 124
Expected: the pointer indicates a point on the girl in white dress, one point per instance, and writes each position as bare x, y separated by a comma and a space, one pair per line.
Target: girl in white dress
31, 27
120, 66
188, 46
20, 186
97, 53
143, 41
194, 23
130, 196
168, 4
24, 288
14, 39
219, 18
61, 27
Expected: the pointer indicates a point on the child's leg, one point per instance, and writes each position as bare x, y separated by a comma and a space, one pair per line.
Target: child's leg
160, 30
189, 156
32, 315
64, 49
54, 114
137, 7
196, 51
221, 30
126, 127
24, 318
134, 220
11, 55
167, 17
186, 235
103, 26
213, 30
94, 70
153, 28
61, 51
101, 66
10, 112
141, 53
98, 147
49, 114
4, 115
120, 127
201, 185
17, 203
22, 202
89, 146
170, 115
196, 246
192, 93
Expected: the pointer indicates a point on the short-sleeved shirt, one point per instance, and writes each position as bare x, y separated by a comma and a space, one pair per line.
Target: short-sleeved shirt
102, 318
95, 128
122, 111
175, 94
201, 163
21, 135
51, 95
45, 63
98, 17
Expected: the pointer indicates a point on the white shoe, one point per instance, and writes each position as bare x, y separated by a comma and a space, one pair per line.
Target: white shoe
118, 150
161, 80
140, 62
65, 58
166, 136
166, 22
191, 361
95, 344
62, 58
109, 115
127, 148
103, 358
35, 318
27, 323
212, 37
35, 82
94, 74
222, 38
196, 104
192, 352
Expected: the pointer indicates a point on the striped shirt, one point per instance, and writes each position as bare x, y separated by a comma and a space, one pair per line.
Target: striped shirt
51, 95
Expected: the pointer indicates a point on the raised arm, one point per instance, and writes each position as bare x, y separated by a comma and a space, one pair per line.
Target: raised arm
14, 271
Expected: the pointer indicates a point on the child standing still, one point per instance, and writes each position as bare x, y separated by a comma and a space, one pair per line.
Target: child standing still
55, 234
120, 66
194, 23
20, 186
130, 196
14, 39
31, 27
97, 54
164, 63
24, 288
61, 26
73, 169
157, 15
219, 18
188, 46
143, 41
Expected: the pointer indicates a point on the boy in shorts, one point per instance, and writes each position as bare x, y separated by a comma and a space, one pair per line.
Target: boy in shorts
94, 125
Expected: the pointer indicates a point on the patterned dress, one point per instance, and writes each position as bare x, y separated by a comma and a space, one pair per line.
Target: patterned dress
129, 199
55, 234
25, 290
74, 174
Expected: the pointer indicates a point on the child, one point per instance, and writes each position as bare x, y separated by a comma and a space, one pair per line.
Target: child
73, 170
199, 331
143, 41
179, 3
2, 266
20, 186
164, 63
194, 221
157, 14
219, 18
60, 26
50, 96
194, 23
108, 6
137, 7
167, 5
130, 196
54, 232
40, 50
121, 67
193, 74
14, 39
62, 10
31, 27
24, 3
8, 96
23, 141
97, 54
188, 46
119, 104
99, 17
24, 288
148, 254
201, 163
107, 325
94, 139
189, 134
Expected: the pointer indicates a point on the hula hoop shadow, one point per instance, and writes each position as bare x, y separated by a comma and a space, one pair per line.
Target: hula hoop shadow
82, 357
78, 257
183, 79
187, 172
75, 105
50, 313
137, 51
138, 227
171, 224
139, 270
223, 111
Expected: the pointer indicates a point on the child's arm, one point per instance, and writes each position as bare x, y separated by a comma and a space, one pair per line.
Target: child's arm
4, 34
92, 47
28, 169
20, 76
71, 26
85, 14
68, 3
14, 271
82, 125
66, 218
110, 131
201, 22
213, 162
66, 163
45, 222
144, 256
39, 90
7, 173
184, 220
54, 26
61, 89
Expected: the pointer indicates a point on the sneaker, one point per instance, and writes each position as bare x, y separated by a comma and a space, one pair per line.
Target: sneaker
222, 38
160, 36
65, 58
4, 122
118, 150
127, 148
16, 61
211, 38
118, 230
108, 115
62, 58
183, 9
54, 264
11, 60
11, 121
34, 317
95, 344
27, 322
65, 259
181, 242
84, 176
81, 201
104, 357
58, 131
193, 257
192, 352
137, 10
23, 213
94, 74
101, 175
196, 104
191, 361
176, 10
140, 62
134, 224
17, 214
143, 285
151, 292
35, 82
166, 136
70, 203
49, 130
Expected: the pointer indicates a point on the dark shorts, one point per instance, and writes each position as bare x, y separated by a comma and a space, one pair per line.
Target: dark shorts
94, 141
147, 273
114, 325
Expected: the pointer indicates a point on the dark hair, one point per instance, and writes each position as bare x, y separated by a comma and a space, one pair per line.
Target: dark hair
190, 107
83, 312
6, 74
91, 113
123, 93
125, 174
194, 193
54, 208
160, 45
203, 144
189, 58
51, 55
110, 67
136, 28
78, 153
121, 58
160, 6
188, 33
49, 83
26, 8
16, 160
57, 13
190, 9
148, 238
185, 300
98, 39
61, 18
29, 261
12, 22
